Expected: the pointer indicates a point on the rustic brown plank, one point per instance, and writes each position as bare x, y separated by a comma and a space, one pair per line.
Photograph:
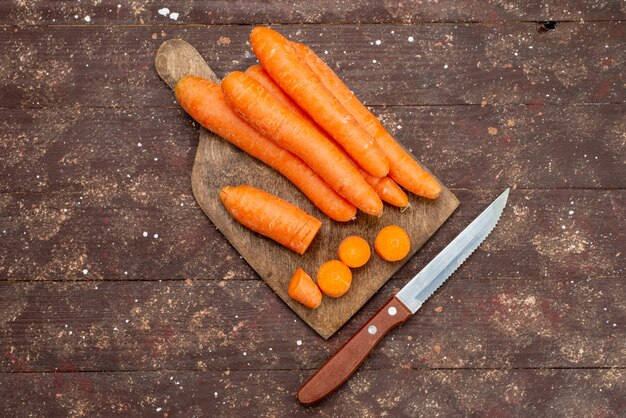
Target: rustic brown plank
466, 146
196, 325
301, 11
445, 64
537, 236
510, 393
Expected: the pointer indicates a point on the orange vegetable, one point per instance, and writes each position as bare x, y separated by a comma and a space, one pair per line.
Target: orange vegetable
387, 189
354, 251
296, 79
204, 101
334, 278
392, 243
287, 129
303, 289
271, 216
258, 74
402, 167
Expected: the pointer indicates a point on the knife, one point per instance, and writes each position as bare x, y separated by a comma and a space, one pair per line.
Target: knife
401, 306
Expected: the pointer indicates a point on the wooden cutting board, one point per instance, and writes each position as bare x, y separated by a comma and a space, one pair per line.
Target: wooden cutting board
218, 164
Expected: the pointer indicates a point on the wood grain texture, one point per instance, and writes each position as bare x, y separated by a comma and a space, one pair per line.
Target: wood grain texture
219, 164
510, 393
522, 322
56, 236
575, 146
67, 12
95, 152
448, 64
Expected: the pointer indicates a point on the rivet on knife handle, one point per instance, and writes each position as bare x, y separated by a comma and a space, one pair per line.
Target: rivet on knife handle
350, 356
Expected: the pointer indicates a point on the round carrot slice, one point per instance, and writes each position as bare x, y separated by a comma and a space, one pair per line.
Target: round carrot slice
392, 243
334, 278
354, 251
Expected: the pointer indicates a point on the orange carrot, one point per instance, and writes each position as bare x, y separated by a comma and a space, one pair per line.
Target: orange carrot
392, 243
402, 167
287, 129
334, 278
271, 216
303, 289
205, 102
296, 79
354, 251
387, 189
258, 74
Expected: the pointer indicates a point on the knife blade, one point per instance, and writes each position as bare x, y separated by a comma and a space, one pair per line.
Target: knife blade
401, 306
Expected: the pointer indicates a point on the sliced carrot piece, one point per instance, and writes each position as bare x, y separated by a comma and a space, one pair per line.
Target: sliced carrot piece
354, 251
392, 243
303, 289
271, 216
334, 278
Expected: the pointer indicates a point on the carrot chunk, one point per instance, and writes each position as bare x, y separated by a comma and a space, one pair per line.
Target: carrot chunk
271, 216
303, 289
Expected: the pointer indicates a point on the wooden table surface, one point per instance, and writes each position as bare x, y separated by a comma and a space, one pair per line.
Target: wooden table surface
118, 297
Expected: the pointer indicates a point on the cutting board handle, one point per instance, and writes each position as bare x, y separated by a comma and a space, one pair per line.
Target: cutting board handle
177, 58
350, 356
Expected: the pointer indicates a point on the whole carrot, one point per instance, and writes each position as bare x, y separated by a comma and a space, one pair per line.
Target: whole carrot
387, 189
258, 74
287, 129
271, 216
204, 101
296, 79
402, 167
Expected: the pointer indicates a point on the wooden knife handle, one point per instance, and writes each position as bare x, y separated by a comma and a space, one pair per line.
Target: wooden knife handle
350, 356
